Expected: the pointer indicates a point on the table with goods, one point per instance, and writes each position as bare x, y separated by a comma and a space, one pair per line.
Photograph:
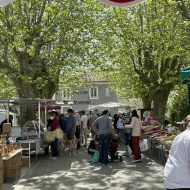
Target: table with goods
160, 138
29, 141
10, 160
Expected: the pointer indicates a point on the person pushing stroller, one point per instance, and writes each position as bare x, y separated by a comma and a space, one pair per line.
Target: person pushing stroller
103, 128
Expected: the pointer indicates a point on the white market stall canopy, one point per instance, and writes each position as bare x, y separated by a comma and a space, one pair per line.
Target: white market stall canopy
109, 105
5, 2
122, 3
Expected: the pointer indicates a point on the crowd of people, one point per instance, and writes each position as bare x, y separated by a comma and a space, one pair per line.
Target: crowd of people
78, 127
75, 126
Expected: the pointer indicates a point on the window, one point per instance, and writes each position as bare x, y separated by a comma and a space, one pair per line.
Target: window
66, 94
93, 93
107, 92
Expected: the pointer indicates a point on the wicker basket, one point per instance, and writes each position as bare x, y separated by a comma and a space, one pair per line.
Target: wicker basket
58, 133
49, 136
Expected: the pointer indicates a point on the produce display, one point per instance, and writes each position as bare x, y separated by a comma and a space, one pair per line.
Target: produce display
166, 139
151, 126
161, 137
7, 146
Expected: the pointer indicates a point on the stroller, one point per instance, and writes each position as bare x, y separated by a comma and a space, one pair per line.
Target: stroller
113, 149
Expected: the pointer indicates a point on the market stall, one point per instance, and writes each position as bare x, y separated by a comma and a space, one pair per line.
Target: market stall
12, 163
1, 173
27, 130
160, 138
10, 154
113, 107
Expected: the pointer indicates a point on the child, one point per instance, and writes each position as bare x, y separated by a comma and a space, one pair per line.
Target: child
93, 146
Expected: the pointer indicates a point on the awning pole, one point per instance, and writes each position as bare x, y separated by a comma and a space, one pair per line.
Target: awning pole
45, 114
39, 118
8, 111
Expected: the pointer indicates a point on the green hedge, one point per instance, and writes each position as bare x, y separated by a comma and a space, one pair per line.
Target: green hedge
178, 107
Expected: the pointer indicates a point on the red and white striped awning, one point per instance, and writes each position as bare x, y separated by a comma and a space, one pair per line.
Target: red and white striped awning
122, 3
5, 2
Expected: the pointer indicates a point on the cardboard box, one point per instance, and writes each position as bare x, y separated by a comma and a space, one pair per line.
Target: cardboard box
25, 162
6, 128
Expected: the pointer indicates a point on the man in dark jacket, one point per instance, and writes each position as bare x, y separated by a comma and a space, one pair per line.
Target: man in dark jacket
71, 129
71, 125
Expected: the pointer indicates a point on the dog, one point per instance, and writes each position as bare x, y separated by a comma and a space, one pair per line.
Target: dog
70, 144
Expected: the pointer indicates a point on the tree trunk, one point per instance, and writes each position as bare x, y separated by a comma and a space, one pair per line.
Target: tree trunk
33, 81
28, 93
160, 99
146, 102
28, 108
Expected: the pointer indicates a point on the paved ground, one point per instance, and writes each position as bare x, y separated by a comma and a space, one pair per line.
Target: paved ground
76, 173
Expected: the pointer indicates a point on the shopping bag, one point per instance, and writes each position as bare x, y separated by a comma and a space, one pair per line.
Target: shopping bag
128, 151
143, 145
95, 157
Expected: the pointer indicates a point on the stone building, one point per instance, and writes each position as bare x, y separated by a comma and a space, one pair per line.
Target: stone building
96, 93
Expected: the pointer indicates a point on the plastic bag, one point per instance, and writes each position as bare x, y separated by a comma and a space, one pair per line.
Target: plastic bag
95, 157
128, 151
143, 145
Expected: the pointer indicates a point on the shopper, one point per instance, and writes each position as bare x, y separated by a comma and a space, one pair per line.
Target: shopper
77, 133
71, 129
63, 122
53, 125
119, 126
136, 126
84, 127
126, 120
91, 120
102, 126
71, 124
115, 119
177, 168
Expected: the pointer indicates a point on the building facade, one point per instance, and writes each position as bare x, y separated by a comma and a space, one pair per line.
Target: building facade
95, 94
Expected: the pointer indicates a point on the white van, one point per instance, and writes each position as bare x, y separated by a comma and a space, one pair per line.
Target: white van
4, 115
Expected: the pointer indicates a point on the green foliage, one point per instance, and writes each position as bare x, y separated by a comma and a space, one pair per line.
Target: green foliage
42, 40
178, 106
7, 88
146, 46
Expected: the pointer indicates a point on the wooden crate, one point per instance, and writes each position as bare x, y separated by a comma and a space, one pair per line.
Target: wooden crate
1, 173
25, 162
12, 167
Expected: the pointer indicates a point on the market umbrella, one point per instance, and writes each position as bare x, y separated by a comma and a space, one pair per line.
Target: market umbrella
185, 75
185, 79
122, 3
5, 2
108, 105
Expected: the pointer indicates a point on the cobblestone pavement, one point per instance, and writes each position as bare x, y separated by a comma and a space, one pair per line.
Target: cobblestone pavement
77, 173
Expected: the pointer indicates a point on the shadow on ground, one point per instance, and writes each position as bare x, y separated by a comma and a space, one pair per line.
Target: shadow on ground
76, 173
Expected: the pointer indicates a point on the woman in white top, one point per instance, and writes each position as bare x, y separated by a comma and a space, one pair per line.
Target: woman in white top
136, 133
177, 168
